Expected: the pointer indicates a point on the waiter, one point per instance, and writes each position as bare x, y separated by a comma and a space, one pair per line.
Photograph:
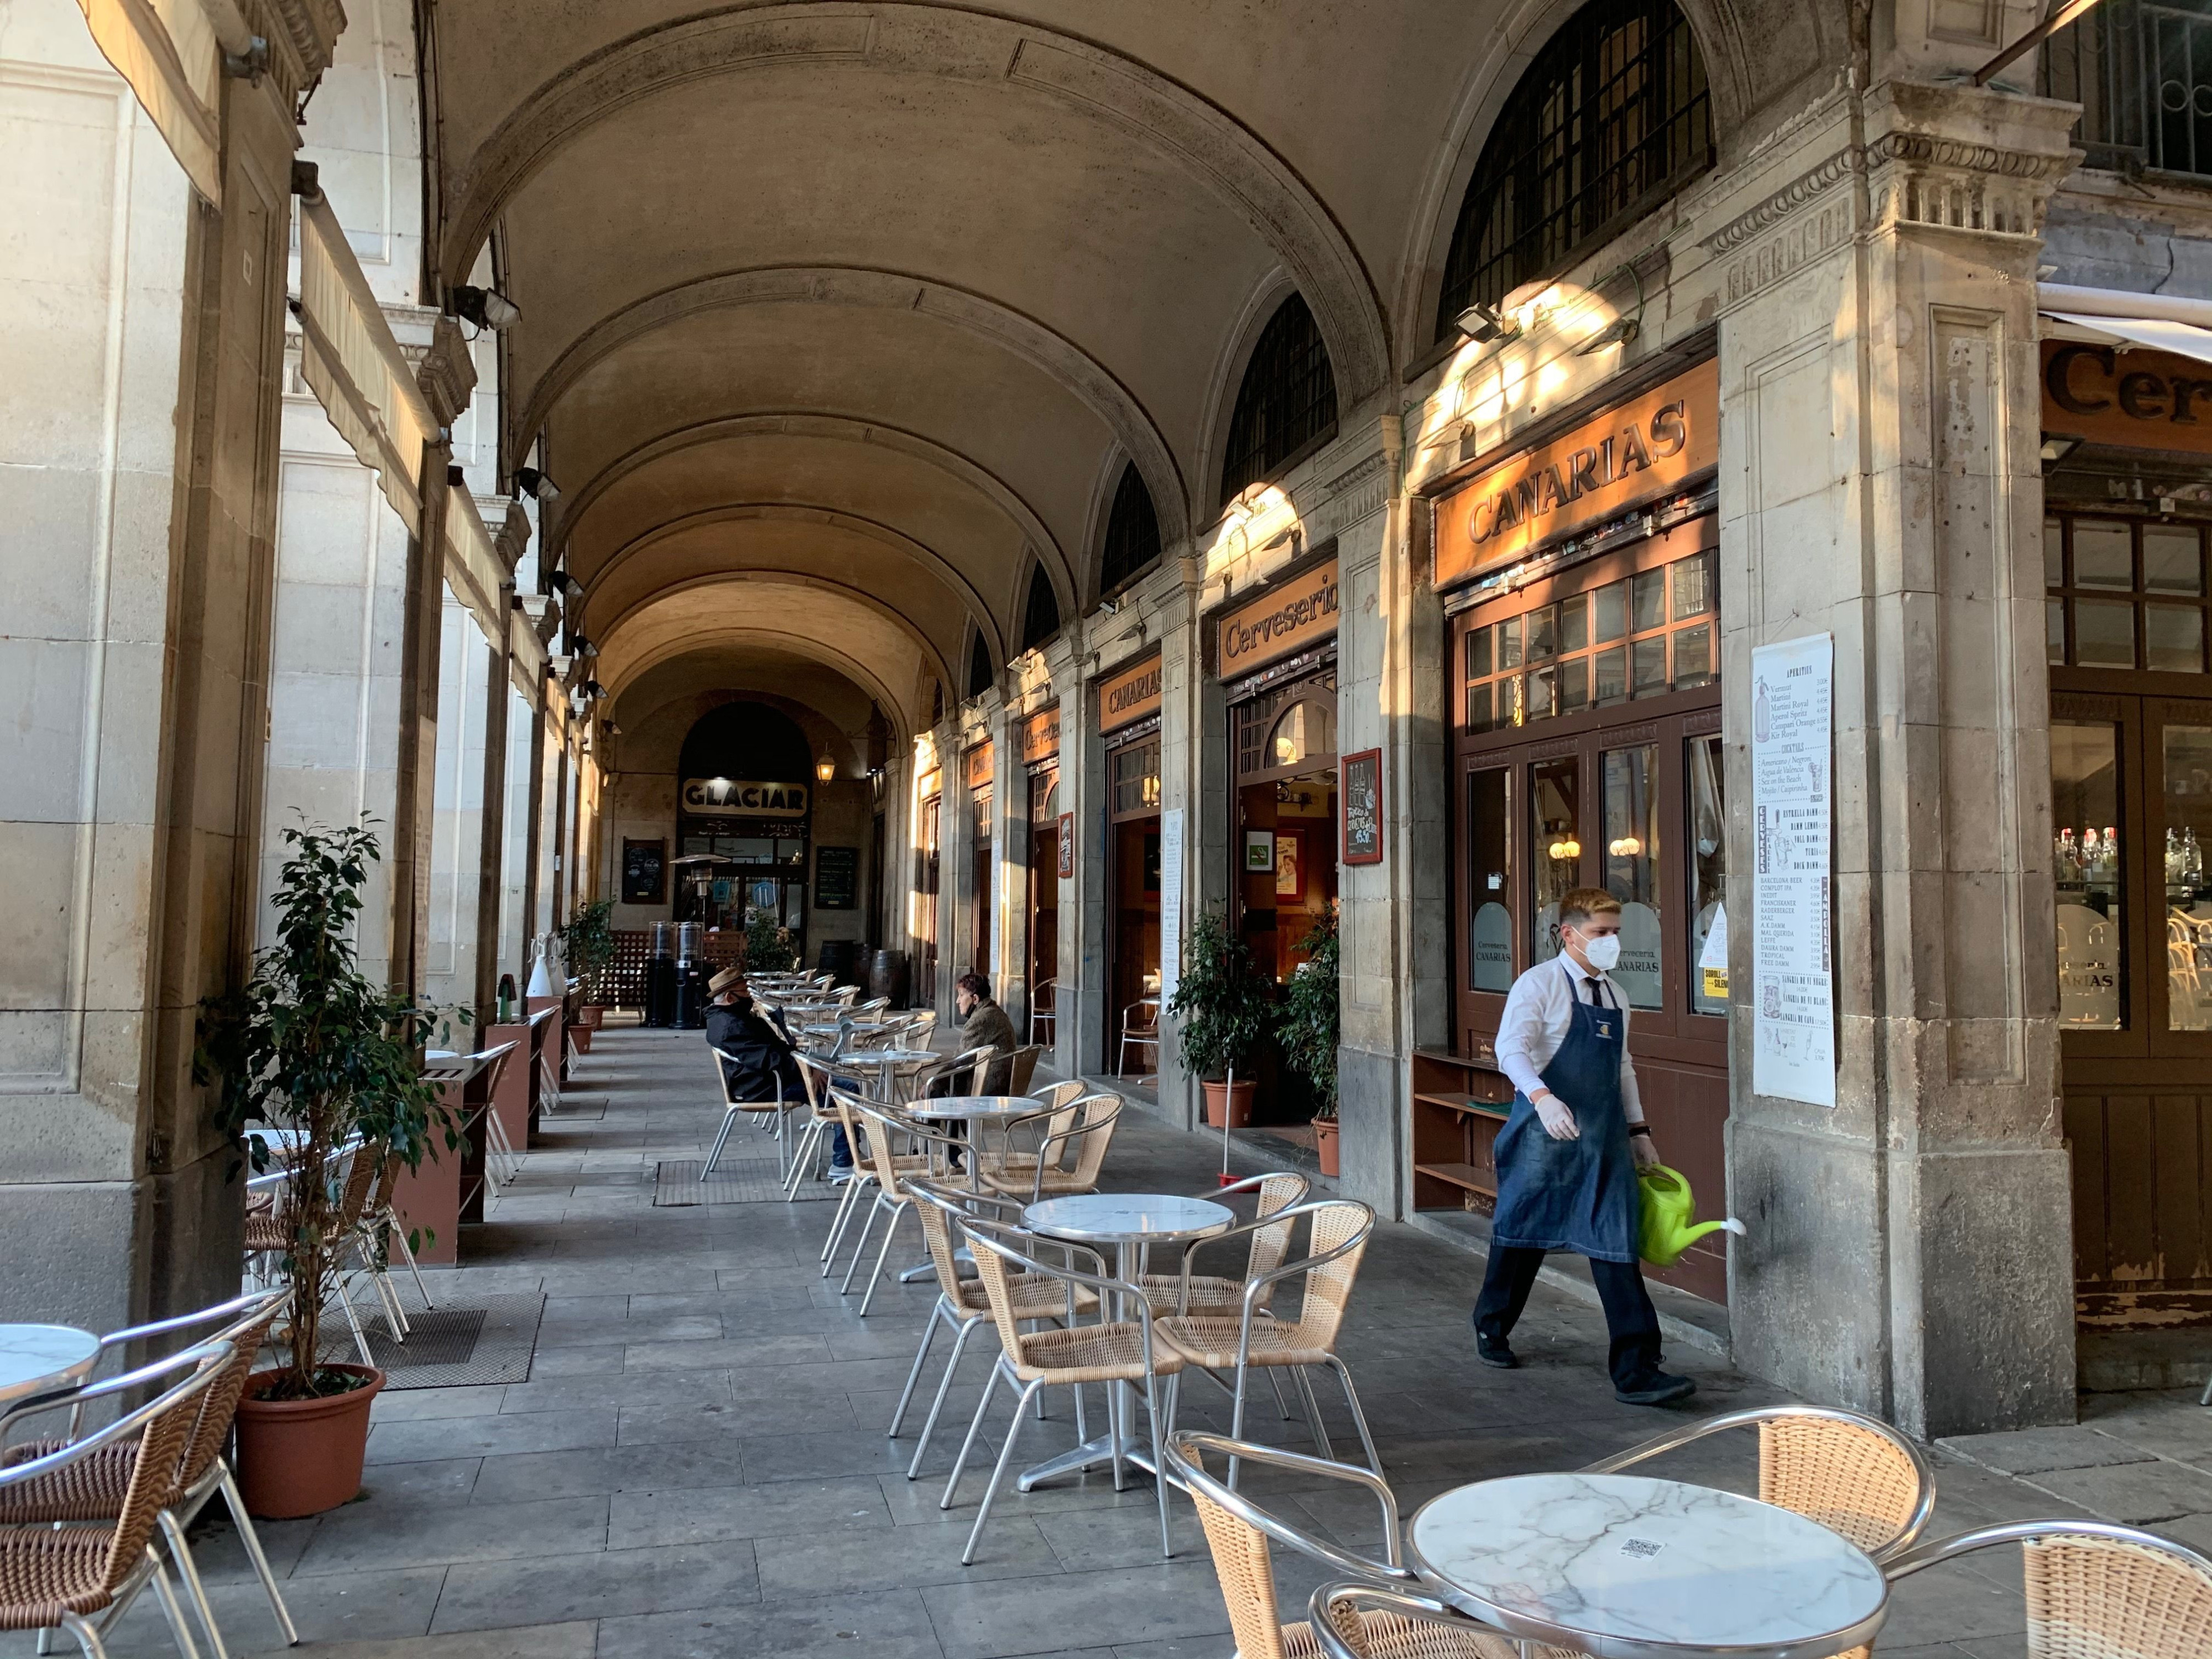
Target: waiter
1567, 1157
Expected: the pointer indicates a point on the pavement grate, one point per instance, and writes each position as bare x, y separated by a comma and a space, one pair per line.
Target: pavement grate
735, 1180
495, 1340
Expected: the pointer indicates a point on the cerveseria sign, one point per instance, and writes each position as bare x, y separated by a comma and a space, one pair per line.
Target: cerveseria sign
1287, 617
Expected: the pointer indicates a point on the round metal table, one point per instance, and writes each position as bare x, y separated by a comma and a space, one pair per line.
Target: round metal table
1122, 1222
1624, 1567
34, 1358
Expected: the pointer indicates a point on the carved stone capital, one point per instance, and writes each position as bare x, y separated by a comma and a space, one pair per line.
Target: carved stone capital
448, 373
513, 539
1965, 158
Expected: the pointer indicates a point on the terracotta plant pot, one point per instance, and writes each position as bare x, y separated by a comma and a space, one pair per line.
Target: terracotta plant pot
1324, 1130
1240, 1107
299, 1457
581, 1037
591, 1016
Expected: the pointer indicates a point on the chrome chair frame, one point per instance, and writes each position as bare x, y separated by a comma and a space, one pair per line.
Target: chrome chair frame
732, 1108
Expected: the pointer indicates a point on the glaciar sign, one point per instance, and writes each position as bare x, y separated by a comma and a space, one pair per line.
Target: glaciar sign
737, 799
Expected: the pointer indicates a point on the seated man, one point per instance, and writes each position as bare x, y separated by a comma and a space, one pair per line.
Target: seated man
984, 1025
755, 1058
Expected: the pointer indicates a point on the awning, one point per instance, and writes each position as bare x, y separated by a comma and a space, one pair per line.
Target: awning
171, 52
2114, 317
472, 569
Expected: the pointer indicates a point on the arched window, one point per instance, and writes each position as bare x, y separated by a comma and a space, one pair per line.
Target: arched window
1287, 401
1132, 535
1305, 729
980, 671
1041, 620
1611, 118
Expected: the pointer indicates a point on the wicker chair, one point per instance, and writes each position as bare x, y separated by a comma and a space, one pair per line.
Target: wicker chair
1237, 1531
1339, 1230
1049, 1175
2094, 1591
1116, 1351
1355, 1620
1185, 1292
1854, 1474
95, 1490
733, 1108
962, 1302
59, 1576
887, 1169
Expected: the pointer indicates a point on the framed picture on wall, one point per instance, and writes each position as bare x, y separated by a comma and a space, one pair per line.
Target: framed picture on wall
1258, 851
1290, 866
1360, 797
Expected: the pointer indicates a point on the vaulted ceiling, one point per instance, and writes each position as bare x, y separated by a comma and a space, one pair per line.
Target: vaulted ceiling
839, 318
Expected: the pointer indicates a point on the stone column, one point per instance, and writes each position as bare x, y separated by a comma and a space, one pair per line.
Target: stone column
138, 463
1195, 780
499, 696
447, 376
1909, 1251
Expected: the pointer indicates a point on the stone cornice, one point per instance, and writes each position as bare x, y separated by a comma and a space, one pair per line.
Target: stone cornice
1808, 186
513, 539
302, 34
447, 373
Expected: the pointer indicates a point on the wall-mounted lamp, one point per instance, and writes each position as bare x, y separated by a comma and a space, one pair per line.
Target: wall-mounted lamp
2057, 447
1620, 332
825, 769
1483, 323
529, 481
487, 307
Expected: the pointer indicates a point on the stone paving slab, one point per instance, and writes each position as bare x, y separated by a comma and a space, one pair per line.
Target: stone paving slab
698, 1467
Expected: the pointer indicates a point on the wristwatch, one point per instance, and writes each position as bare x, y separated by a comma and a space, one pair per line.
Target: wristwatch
1639, 1128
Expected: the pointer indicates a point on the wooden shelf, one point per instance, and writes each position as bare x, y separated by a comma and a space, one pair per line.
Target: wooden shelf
1457, 1102
1460, 1175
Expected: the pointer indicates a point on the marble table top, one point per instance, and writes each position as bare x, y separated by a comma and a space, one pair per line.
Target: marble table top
37, 1356
1624, 1567
962, 1108
1097, 1218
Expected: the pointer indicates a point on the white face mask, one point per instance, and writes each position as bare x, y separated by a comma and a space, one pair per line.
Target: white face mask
1602, 952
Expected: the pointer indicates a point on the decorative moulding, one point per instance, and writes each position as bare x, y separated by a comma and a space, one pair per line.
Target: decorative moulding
446, 374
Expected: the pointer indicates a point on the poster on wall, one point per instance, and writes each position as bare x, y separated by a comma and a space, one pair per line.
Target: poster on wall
644, 867
837, 878
1067, 847
1360, 792
1792, 962
1170, 903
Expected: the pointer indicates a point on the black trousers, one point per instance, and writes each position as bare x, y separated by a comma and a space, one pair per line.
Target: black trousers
1629, 1318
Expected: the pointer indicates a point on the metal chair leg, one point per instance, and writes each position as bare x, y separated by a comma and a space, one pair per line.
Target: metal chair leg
175, 1614
1159, 1463
1313, 1413
867, 1227
729, 1123
188, 1569
858, 1184
87, 1636
975, 1423
246, 1535
1236, 1420
1359, 1417
876, 1277
998, 1473
944, 1388
399, 1235
913, 1374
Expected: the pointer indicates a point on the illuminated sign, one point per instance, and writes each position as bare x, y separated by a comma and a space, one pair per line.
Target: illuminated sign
2137, 399
1629, 455
735, 798
1289, 617
1130, 695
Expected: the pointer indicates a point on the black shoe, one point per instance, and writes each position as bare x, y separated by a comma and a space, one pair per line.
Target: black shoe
1496, 1353
1656, 1389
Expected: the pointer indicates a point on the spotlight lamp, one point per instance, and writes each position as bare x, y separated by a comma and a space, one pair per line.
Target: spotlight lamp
529, 481
594, 690
1483, 323
487, 307
2058, 446
586, 648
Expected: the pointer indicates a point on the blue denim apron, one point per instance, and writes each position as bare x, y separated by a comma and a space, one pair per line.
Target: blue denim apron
1578, 1195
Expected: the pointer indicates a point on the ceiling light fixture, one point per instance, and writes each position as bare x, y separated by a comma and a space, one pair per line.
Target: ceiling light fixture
1482, 324
487, 307
529, 481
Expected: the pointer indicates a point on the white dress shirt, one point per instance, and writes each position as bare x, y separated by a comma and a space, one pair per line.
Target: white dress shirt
1538, 1013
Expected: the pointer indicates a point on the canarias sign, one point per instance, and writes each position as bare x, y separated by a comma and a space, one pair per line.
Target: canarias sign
1629, 455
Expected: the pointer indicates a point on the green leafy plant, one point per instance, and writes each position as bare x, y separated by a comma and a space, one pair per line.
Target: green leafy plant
768, 948
590, 936
1220, 1003
307, 1045
1311, 1023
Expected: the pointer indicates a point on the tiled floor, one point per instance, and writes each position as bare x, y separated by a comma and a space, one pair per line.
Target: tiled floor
697, 1466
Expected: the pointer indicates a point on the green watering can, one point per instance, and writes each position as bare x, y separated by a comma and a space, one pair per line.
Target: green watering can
1666, 1230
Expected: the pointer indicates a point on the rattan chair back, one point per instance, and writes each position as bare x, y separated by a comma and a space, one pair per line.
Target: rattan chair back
996, 1267
1272, 1245
1855, 1478
1344, 1224
2097, 1598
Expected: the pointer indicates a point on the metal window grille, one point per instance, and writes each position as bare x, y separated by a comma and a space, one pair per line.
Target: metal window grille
1132, 535
2143, 74
980, 671
1287, 400
1612, 117
1041, 620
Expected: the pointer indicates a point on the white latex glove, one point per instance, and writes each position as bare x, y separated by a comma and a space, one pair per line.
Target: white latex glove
1646, 1154
1559, 1122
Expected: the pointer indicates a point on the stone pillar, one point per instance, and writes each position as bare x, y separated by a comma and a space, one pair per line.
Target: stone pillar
1909, 1251
1195, 779
491, 853
138, 465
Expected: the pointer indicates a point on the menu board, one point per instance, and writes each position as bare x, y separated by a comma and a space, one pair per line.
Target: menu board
1793, 956
1170, 903
644, 864
837, 878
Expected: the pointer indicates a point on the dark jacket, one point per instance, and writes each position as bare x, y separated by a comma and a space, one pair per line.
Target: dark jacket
753, 1054
988, 1027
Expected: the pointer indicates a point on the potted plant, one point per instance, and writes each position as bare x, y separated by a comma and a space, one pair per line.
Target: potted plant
1309, 1027
1220, 1006
591, 939
768, 946
309, 1046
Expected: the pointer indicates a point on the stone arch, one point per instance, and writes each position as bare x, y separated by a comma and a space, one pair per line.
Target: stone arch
894, 707
1221, 153
1060, 358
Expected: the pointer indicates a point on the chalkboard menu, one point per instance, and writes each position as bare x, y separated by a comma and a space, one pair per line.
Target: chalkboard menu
837, 878
644, 864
